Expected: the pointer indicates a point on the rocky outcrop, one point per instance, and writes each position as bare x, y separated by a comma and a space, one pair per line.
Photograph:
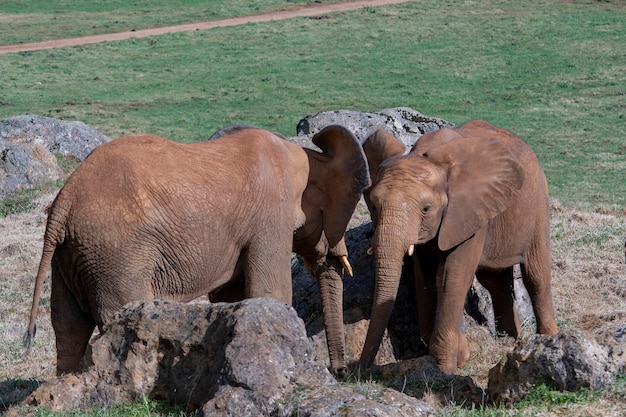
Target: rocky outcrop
241, 359
404, 123
30, 145
566, 361
223, 357
350, 402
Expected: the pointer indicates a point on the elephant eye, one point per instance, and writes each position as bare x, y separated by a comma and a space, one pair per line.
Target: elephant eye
426, 208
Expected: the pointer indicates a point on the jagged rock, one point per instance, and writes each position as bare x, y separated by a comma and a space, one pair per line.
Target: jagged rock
224, 358
23, 165
244, 359
421, 377
29, 146
350, 401
403, 122
566, 361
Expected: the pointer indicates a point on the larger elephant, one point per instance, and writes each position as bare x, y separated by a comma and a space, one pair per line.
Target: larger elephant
144, 217
464, 202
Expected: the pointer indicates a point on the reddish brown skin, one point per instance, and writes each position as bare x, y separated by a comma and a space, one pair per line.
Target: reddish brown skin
144, 218
473, 200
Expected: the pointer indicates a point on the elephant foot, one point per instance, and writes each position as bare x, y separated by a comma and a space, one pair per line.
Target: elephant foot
463, 353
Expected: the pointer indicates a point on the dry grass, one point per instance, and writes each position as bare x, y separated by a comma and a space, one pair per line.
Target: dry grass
21, 238
589, 287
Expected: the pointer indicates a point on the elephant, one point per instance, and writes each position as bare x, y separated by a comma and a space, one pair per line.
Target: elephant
465, 201
144, 217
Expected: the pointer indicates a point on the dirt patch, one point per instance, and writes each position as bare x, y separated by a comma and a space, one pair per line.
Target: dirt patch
309, 10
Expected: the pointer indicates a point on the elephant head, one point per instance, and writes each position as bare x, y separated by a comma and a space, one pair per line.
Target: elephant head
337, 177
441, 193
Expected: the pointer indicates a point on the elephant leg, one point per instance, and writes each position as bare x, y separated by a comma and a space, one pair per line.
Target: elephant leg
463, 352
454, 278
72, 326
536, 277
330, 284
231, 292
499, 283
234, 290
425, 264
267, 269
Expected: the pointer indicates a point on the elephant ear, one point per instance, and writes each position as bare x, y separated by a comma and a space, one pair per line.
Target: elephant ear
483, 178
380, 146
337, 176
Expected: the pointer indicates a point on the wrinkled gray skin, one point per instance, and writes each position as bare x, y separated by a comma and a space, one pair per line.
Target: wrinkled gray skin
469, 200
144, 217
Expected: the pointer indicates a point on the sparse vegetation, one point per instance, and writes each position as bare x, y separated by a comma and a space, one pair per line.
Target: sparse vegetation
552, 72
25, 200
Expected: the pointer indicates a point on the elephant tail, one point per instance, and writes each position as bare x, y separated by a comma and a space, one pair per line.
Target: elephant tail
54, 235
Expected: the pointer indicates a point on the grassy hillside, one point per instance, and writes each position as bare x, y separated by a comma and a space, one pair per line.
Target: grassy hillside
39, 20
553, 72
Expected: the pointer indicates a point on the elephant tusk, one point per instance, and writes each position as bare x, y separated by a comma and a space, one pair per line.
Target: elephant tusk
346, 265
370, 251
411, 250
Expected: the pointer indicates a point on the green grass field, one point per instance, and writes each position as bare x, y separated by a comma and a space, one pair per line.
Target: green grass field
39, 20
553, 72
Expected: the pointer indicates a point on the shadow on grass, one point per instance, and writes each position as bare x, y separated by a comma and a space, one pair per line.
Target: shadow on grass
15, 391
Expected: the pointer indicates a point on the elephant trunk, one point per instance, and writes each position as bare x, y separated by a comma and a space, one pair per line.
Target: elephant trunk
330, 283
389, 247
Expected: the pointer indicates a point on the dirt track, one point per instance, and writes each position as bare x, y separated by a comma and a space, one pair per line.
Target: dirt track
307, 10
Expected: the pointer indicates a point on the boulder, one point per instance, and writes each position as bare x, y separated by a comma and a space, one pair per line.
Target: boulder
250, 358
422, 378
566, 361
220, 357
404, 123
30, 145
349, 401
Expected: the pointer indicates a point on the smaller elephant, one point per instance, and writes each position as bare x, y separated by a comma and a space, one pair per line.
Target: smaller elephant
464, 202
144, 217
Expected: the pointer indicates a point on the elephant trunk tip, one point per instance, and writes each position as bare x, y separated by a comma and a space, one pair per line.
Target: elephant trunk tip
341, 372
367, 357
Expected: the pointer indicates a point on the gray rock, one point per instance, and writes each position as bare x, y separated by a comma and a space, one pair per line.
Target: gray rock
350, 401
403, 122
244, 359
29, 146
421, 377
74, 139
566, 361
224, 358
